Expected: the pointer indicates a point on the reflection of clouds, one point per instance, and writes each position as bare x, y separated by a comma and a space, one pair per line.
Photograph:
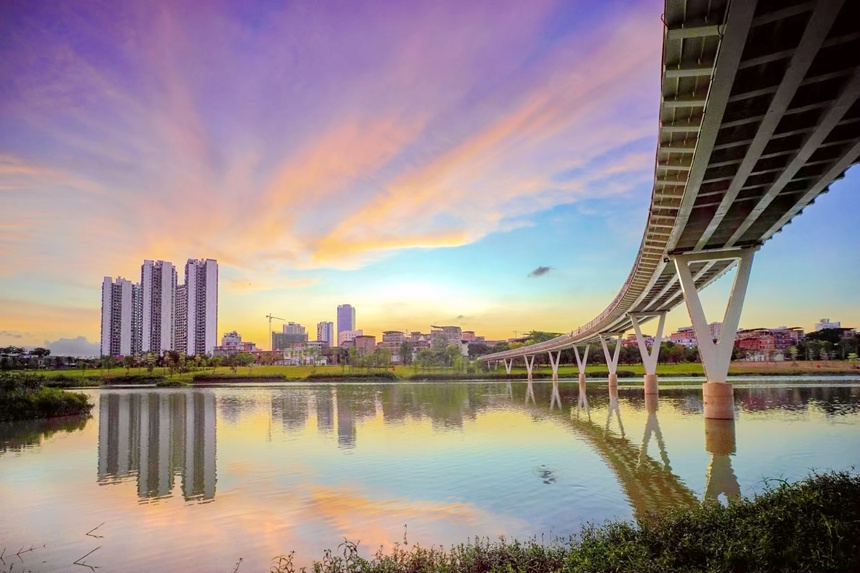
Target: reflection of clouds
379, 521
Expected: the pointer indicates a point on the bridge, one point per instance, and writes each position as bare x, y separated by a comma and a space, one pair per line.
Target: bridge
759, 115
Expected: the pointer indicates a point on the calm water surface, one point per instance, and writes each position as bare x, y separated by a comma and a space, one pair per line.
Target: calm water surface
195, 479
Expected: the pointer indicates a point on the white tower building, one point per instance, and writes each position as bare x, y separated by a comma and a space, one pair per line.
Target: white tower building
158, 286
325, 332
201, 314
118, 317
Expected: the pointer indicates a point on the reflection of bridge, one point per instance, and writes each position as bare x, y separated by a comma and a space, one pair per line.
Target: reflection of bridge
153, 436
759, 114
650, 486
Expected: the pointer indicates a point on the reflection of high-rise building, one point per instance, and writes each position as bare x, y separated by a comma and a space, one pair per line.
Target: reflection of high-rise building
345, 318
345, 421
325, 410
155, 437
291, 406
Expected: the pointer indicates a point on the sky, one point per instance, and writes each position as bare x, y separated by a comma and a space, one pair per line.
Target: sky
487, 164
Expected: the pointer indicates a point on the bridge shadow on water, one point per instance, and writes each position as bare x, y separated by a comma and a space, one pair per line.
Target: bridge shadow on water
649, 483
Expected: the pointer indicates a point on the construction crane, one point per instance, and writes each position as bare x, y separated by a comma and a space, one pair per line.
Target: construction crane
271, 334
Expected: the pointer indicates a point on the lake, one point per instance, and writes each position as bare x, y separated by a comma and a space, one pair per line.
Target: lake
195, 479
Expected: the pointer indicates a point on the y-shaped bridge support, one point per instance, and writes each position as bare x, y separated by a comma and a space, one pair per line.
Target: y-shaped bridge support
530, 362
553, 361
581, 363
718, 395
612, 360
509, 362
649, 358
556, 397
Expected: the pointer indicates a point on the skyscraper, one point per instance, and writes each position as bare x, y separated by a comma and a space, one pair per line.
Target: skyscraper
325, 332
200, 307
345, 318
180, 319
119, 305
158, 286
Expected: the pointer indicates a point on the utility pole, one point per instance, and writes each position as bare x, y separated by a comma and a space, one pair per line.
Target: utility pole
271, 334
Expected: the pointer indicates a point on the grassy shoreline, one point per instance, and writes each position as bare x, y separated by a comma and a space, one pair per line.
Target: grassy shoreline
265, 374
811, 525
24, 397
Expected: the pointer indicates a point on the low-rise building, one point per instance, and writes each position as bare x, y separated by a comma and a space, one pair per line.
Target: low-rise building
346, 337
231, 343
364, 344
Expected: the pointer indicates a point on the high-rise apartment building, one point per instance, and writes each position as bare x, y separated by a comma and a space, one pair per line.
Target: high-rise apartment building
120, 310
345, 318
158, 286
180, 328
158, 315
200, 307
325, 332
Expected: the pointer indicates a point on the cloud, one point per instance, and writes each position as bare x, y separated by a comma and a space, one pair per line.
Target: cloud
539, 272
13, 333
78, 346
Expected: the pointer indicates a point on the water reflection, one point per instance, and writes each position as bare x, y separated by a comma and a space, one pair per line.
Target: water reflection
652, 427
720, 443
153, 437
17, 436
648, 485
614, 409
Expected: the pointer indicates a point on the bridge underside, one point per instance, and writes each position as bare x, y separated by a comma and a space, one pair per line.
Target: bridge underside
759, 114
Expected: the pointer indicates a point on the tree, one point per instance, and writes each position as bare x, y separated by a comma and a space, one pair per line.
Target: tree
129, 362
478, 349
792, 351
405, 352
352, 357
831, 335
150, 359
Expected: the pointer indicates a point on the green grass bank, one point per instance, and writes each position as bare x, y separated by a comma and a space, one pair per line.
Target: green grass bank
25, 397
812, 525
209, 375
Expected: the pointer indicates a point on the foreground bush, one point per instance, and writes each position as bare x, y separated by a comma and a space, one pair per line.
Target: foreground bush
813, 525
24, 397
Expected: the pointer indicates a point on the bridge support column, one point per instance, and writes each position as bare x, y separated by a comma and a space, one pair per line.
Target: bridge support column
508, 364
716, 356
530, 361
612, 360
553, 361
581, 363
649, 357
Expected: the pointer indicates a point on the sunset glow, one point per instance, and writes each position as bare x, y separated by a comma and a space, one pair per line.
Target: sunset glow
415, 159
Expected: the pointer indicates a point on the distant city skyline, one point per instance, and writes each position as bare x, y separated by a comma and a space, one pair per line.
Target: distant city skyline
497, 181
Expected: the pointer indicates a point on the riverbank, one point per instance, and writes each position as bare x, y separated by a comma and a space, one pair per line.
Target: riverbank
812, 525
263, 374
24, 397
